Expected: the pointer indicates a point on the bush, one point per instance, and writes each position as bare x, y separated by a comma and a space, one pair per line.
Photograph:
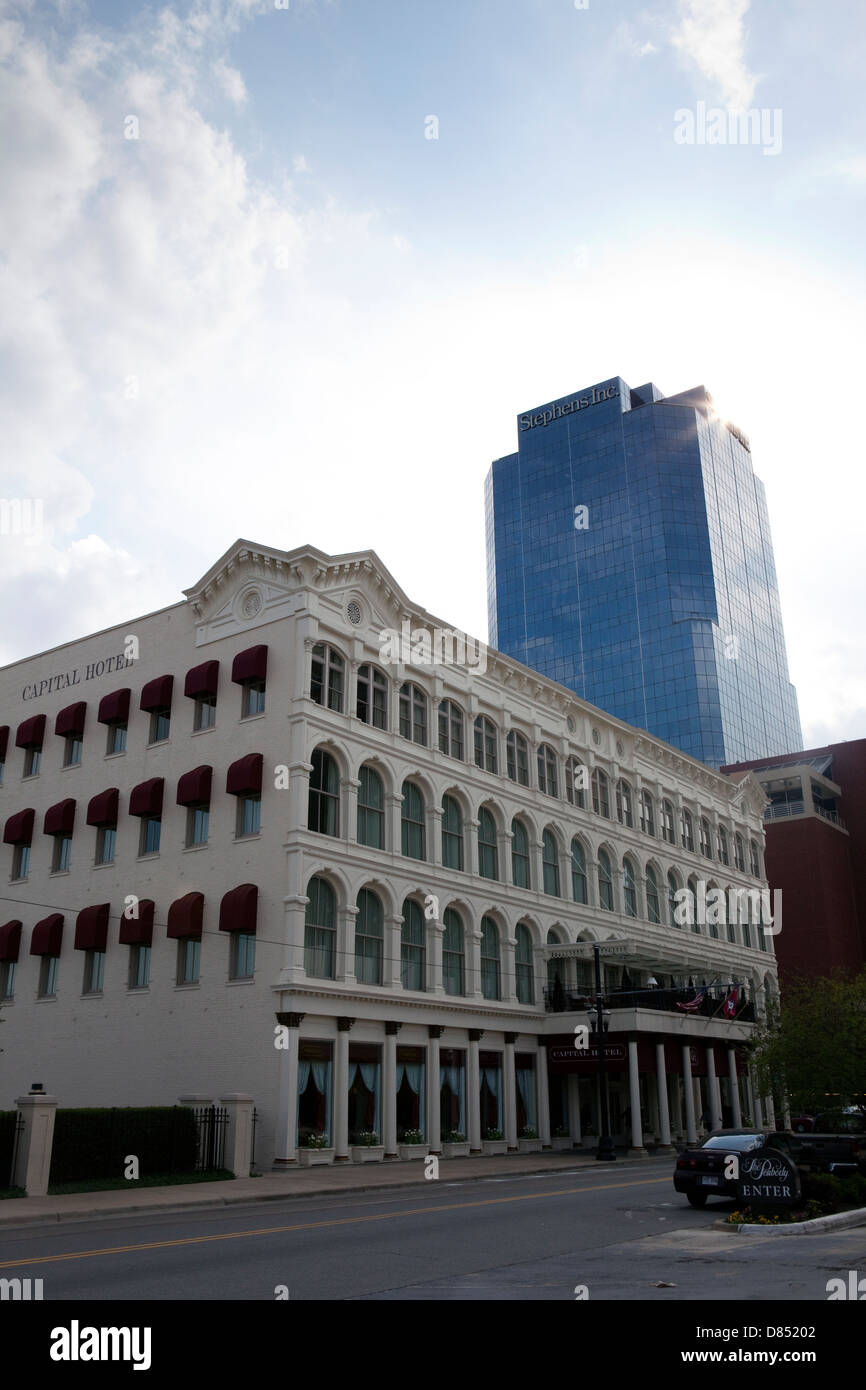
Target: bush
834, 1193
95, 1143
8, 1121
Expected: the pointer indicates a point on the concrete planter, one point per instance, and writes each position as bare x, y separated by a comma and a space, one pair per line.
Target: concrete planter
562, 1144
455, 1150
529, 1146
310, 1158
368, 1153
494, 1146
413, 1150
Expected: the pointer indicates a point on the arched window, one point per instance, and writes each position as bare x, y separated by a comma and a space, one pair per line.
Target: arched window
520, 874
372, 704
371, 809
488, 853
369, 935
668, 822
452, 834
485, 744
451, 729
739, 853
623, 803
320, 929
412, 822
629, 888
412, 952
550, 861
547, 781
706, 839
673, 889
576, 782
724, 856
453, 964
693, 894
490, 970
747, 931
755, 858
517, 758
647, 814
579, 884
324, 800
605, 881
687, 830
413, 713
653, 907
600, 797
327, 677
523, 964
712, 925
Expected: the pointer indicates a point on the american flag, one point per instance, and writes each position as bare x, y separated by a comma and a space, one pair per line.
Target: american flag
692, 1006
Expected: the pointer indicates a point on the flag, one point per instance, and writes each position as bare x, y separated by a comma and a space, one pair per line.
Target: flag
730, 1005
692, 1005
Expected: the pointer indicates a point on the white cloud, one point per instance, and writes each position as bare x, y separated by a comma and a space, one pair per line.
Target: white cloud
300, 165
853, 168
231, 82
710, 36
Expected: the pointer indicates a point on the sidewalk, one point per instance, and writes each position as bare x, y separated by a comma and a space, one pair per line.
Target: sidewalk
295, 1182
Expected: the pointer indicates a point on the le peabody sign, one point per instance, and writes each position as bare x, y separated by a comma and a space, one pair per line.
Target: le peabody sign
768, 1178
64, 680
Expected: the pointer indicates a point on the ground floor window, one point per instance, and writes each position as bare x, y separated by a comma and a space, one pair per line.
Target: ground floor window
365, 1091
452, 1093
524, 1070
491, 1093
314, 1090
411, 1079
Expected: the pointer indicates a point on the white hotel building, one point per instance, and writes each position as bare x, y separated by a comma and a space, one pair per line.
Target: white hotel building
390, 870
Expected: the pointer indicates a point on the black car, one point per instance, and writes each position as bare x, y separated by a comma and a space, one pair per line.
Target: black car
700, 1173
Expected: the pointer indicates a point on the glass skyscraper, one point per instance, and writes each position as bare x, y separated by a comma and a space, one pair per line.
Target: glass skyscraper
629, 557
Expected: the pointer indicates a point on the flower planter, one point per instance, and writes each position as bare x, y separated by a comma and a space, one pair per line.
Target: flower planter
529, 1146
309, 1158
413, 1150
456, 1150
562, 1144
494, 1146
368, 1153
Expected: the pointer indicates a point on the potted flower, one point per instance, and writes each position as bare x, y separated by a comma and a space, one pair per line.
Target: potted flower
493, 1142
528, 1141
314, 1149
366, 1147
412, 1144
455, 1145
561, 1140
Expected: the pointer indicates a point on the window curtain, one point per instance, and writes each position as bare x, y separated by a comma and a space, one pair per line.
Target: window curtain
526, 1087
322, 1082
370, 1076
493, 1077
414, 1074
453, 1077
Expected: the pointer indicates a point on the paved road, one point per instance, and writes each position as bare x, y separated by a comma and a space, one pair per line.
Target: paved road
619, 1232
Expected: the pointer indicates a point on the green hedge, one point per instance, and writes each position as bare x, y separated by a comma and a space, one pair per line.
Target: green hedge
96, 1143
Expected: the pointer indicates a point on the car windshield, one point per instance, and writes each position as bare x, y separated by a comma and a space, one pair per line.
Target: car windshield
735, 1143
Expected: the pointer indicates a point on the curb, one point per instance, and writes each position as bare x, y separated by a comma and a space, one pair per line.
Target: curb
839, 1222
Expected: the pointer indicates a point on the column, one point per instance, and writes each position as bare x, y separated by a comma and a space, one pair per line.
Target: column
737, 1114
715, 1110
434, 956
470, 845
350, 801
473, 1092
473, 964
509, 1089
637, 1149
286, 1136
341, 1091
392, 972
239, 1134
542, 1095
389, 1090
299, 792
434, 1090
345, 963
293, 968
689, 1096
394, 822
508, 979
662, 1089
33, 1157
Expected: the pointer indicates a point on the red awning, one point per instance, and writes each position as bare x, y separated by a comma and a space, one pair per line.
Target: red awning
251, 665
47, 936
157, 693
91, 928
244, 778
10, 940
193, 788
138, 931
202, 680
31, 733
185, 916
19, 828
238, 909
114, 708
71, 720
146, 798
102, 809
60, 818
4, 742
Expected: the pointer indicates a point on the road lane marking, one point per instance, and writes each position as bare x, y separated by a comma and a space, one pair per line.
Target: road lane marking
318, 1225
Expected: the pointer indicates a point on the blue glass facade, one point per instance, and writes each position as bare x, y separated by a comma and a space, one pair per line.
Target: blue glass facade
659, 603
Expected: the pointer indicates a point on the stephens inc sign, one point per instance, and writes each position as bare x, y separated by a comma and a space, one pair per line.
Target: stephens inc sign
556, 412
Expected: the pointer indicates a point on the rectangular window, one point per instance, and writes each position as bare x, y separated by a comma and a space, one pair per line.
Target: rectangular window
94, 971
116, 738
7, 979
48, 971
139, 967
188, 961
32, 761
62, 853
106, 840
253, 699
249, 815
21, 861
243, 955
151, 827
160, 725
205, 713
197, 818
72, 750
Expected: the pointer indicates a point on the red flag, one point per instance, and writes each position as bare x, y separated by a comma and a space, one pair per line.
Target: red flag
730, 1005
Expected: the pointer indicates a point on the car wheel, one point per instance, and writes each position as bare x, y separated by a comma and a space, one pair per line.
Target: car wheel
697, 1199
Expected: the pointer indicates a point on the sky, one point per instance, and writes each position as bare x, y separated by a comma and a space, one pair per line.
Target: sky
289, 272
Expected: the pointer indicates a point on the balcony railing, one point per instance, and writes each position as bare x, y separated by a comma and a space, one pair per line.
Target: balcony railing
570, 1001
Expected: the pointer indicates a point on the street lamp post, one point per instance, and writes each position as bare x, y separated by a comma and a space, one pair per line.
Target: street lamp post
605, 1150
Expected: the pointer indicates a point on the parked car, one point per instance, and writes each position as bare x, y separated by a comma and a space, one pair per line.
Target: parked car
700, 1173
848, 1121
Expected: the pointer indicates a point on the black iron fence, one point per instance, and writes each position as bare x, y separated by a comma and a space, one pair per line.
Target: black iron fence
558, 999
212, 1121
11, 1125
